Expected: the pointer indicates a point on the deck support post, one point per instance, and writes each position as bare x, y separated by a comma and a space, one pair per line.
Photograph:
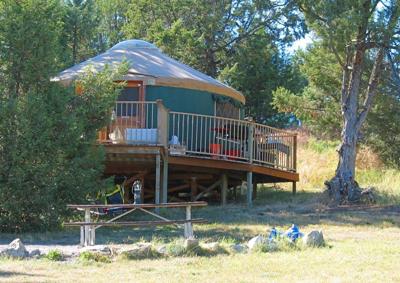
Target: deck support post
188, 228
249, 188
158, 179
224, 189
88, 234
254, 190
82, 236
193, 188
165, 179
294, 184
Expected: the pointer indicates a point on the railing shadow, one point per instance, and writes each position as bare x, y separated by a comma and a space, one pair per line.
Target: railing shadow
235, 222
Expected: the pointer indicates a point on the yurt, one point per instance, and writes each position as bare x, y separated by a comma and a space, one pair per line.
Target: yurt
169, 115
153, 75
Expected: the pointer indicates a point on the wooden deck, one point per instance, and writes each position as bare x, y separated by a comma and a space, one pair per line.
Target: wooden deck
187, 156
188, 175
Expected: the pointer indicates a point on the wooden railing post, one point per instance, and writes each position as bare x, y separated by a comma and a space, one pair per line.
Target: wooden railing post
250, 141
162, 123
295, 152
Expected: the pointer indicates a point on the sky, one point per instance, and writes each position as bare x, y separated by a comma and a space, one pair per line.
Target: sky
301, 43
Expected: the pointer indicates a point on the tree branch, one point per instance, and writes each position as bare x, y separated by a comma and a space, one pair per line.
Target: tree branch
345, 81
376, 70
372, 88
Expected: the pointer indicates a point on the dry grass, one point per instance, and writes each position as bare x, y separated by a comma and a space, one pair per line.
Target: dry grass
360, 248
317, 162
363, 245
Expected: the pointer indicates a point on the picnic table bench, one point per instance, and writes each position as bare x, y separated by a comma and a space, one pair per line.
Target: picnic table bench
88, 227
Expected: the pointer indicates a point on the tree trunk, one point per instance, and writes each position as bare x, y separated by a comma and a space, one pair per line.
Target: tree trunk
343, 187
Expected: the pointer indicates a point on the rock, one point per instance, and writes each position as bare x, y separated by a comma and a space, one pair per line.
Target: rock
255, 242
101, 249
238, 248
35, 253
368, 195
162, 250
191, 243
212, 246
272, 246
15, 249
140, 250
314, 239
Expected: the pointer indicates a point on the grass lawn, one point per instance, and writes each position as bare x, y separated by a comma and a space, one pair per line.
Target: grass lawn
362, 246
362, 243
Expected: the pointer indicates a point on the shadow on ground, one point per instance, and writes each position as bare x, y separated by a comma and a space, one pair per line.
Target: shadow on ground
273, 207
6, 274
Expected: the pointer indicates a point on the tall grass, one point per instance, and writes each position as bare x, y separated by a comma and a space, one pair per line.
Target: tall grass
317, 161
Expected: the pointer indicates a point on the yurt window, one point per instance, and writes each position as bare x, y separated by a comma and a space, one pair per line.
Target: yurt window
227, 110
128, 94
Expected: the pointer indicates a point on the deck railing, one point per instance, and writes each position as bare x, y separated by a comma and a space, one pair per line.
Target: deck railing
189, 134
210, 136
231, 139
132, 122
274, 147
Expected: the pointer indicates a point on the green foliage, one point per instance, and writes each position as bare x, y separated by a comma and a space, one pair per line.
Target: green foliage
54, 255
93, 257
112, 18
47, 132
354, 37
317, 105
80, 30
29, 35
383, 129
176, 249
47, 152
256, 69
136, 256
321, 146
241, 43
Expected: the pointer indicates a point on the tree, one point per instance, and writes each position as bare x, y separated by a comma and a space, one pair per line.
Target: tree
204, 33
257, 67
359, 30
112, 18
47, 132
80, 27
318, 104
29, 36
236, 41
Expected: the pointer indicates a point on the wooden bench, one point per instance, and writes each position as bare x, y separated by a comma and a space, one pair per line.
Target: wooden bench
88, 227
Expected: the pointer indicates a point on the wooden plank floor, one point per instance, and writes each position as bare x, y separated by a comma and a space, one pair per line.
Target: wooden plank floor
125, 159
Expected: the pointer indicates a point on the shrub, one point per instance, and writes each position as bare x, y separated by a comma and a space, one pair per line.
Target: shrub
93, 257
176, 249
54, 255
46, 152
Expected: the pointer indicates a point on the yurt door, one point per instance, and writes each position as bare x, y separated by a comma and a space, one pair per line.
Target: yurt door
129, 108
130, 111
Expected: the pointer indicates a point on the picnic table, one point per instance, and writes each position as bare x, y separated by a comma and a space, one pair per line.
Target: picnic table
88, 227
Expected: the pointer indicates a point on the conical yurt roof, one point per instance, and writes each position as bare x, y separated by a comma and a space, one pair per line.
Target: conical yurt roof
148, 64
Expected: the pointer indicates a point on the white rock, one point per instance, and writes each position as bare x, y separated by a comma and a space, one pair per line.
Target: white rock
214, 246
162, 250
314, 239
15, 249
191, 243
255, 242
238, 248
35, 253
137, 250
96, 249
